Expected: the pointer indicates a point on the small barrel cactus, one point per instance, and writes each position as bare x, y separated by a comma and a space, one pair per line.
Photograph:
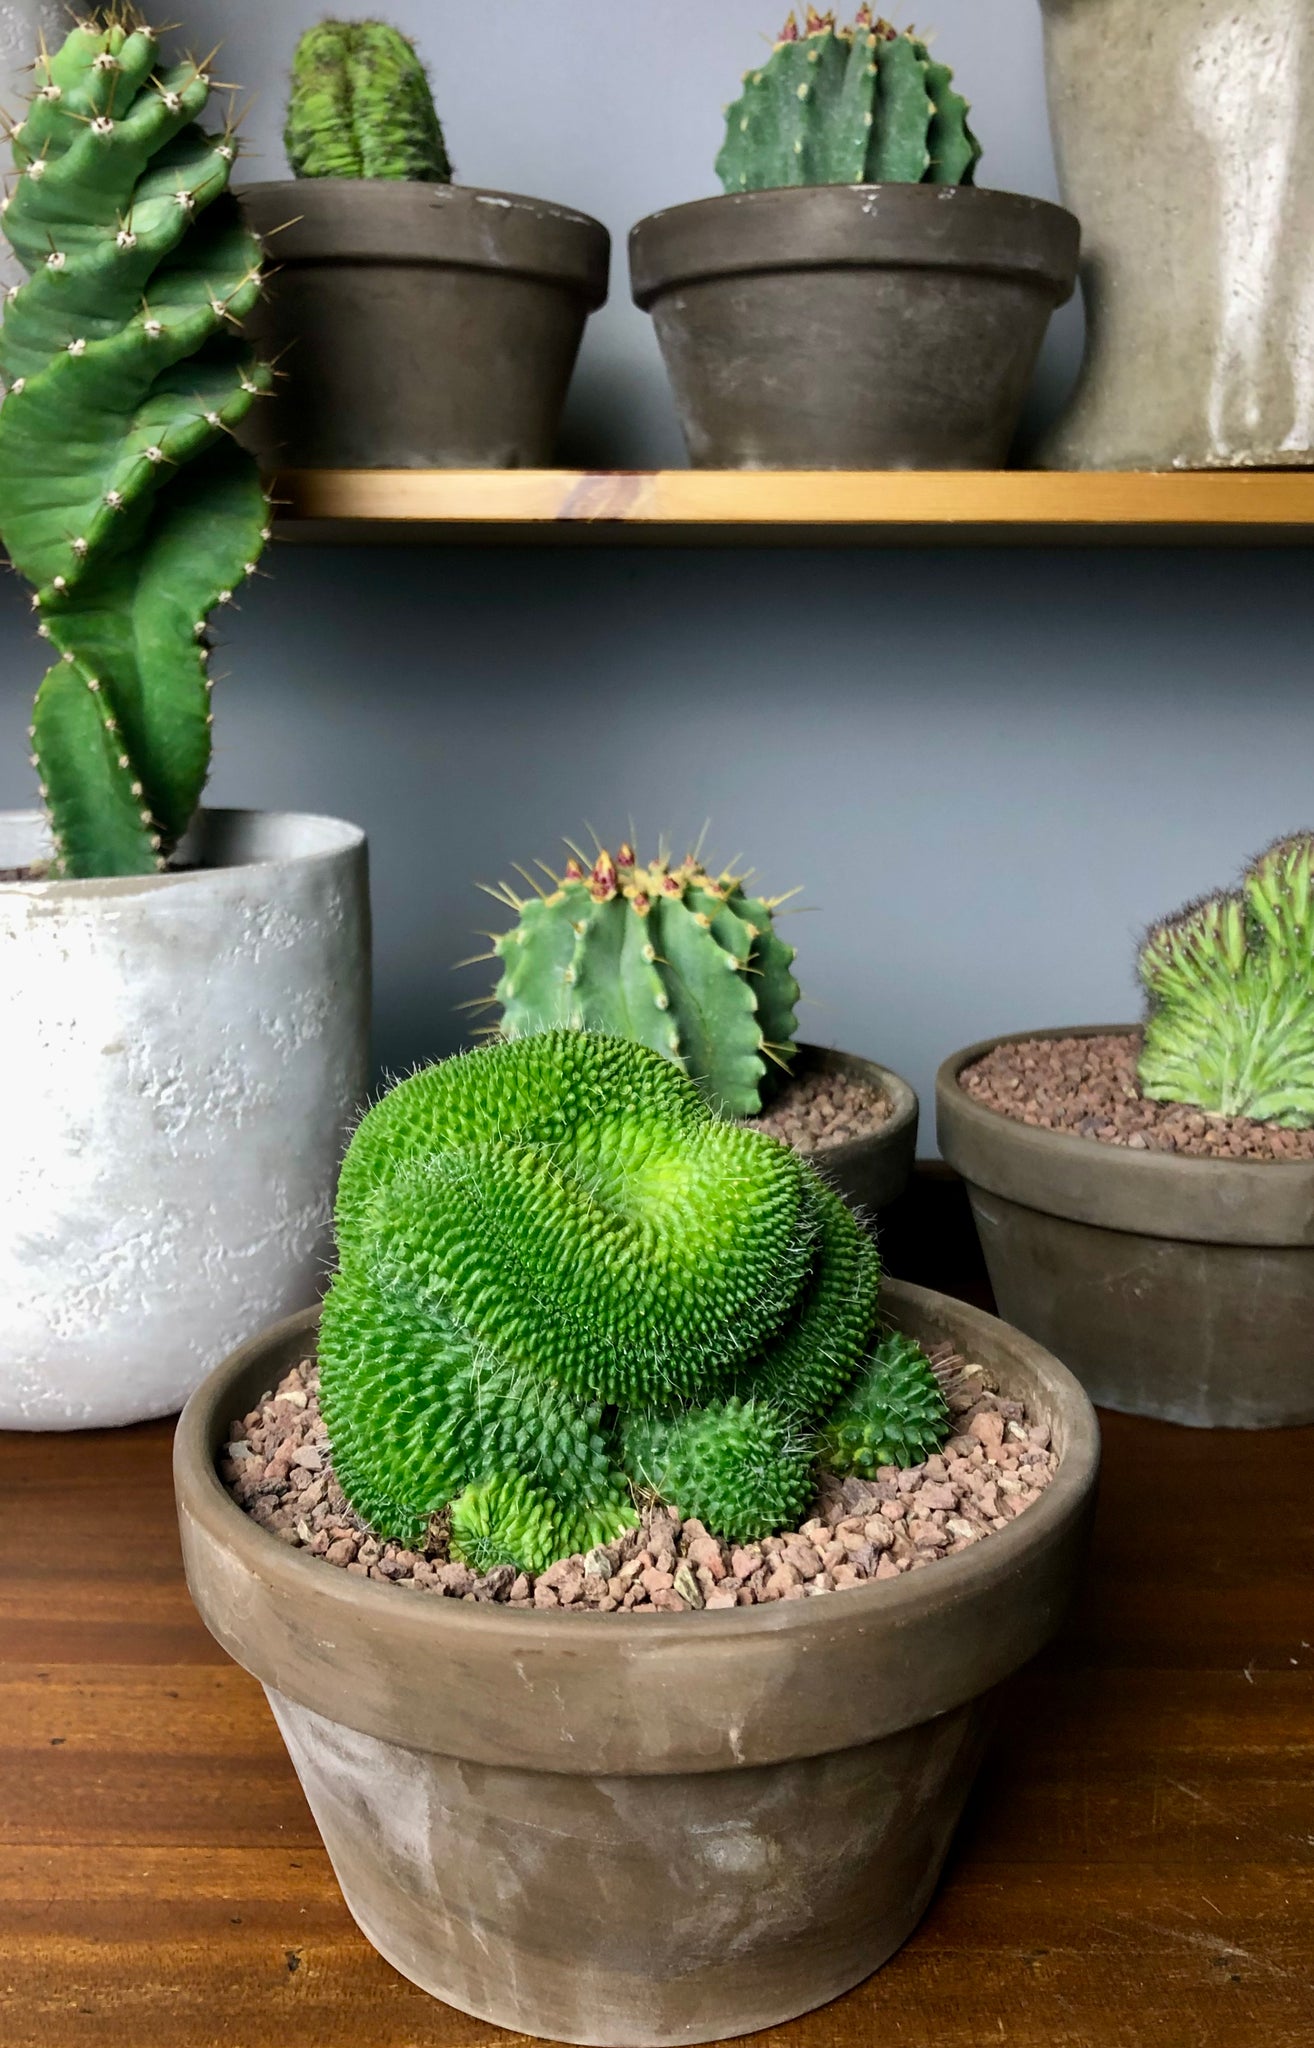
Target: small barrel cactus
669, 955
1230, 982
562, 1278
361, 107
895, 1413
122, 497
866, 105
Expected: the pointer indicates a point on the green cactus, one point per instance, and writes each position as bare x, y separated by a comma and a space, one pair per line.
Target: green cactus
361, 107
895, 1413
866, 105
670, 956
121, 498
561, 1276
1230, 982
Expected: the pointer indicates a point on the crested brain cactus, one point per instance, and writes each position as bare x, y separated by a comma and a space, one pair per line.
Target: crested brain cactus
671, 956
866, 105
361, 107
122, 498
562, 1277
1230, 982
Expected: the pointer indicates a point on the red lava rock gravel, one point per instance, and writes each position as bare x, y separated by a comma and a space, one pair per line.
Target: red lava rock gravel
817, 1110
1088, 1087
276, 1466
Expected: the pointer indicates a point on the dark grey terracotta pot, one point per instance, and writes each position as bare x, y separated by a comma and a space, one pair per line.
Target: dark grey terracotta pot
1173, 1287
874, 1171
853, 326
636, 1830
418, 326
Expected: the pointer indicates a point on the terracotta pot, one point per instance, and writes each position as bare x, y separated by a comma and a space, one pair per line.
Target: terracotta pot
1174, 1287
1186, 156
638, 1829
853, 326
419, 326
874, 1171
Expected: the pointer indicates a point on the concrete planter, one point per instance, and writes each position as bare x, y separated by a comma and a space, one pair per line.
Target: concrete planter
420, 326
1173, 1287
183, 1056
638, 1830
1189, 168
853, 326
869, 1172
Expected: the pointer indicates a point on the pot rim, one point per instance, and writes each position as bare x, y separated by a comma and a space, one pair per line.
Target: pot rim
905, 1109
1208, 1201
339, 836
835, 227
399, 220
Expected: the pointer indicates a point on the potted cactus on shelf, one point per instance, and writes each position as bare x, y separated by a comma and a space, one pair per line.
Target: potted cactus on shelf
853, 301
690, 962
571, 1299
1145, 1198
185, 997
422, 324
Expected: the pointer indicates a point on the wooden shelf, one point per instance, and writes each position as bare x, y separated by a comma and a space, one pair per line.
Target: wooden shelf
799, 507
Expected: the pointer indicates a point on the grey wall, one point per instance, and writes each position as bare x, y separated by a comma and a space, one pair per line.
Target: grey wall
987, 769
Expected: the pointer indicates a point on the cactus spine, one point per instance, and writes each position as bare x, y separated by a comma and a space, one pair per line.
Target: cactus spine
671, 956
866, 105
361, 107
562, 1278
1230, 982
121, 497
895, 1413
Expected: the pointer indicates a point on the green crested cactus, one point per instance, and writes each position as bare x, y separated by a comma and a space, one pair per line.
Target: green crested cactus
361, 107
866, 105
122, 499
1230, 982
894, 1413
562, 1277
668, 955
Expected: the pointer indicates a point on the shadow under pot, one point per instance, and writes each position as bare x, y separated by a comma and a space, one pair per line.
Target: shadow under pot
418, 326
636, 1830
853, 326
1175, 1287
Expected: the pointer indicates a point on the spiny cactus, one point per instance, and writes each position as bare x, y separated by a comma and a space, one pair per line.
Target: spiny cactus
671, 956
866, 105
1230, 982
895, 1413
121, 497
562, 1277
361, 107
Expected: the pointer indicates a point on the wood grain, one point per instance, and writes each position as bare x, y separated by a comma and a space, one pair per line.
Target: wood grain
870, 508
1136, 1869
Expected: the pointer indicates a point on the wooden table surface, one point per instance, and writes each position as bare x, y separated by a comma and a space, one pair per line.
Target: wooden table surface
1136, 1869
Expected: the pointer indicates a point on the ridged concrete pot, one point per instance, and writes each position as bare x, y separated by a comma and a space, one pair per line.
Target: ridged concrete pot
873, 1171
1173, 1287
1182, 136
184, 1055
419, 326
853, 326
638, 1830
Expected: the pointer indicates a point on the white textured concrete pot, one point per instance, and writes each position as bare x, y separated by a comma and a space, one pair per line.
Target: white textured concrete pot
22, 25
183, 1057
1182, 136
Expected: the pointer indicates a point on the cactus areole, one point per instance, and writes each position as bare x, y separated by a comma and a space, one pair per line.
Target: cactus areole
866, 105
679, 959
123, 499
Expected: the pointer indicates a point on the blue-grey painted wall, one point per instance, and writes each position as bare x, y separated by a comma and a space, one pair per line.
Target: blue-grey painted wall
987, 769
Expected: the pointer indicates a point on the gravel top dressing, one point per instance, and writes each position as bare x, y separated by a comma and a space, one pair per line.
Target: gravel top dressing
1088, 1087
276, 1466
823, 1109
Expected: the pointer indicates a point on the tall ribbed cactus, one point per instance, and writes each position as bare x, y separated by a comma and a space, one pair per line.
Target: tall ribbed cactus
562, 1276
122, 499
1230, 982
866, 105
670, 955
361, 107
